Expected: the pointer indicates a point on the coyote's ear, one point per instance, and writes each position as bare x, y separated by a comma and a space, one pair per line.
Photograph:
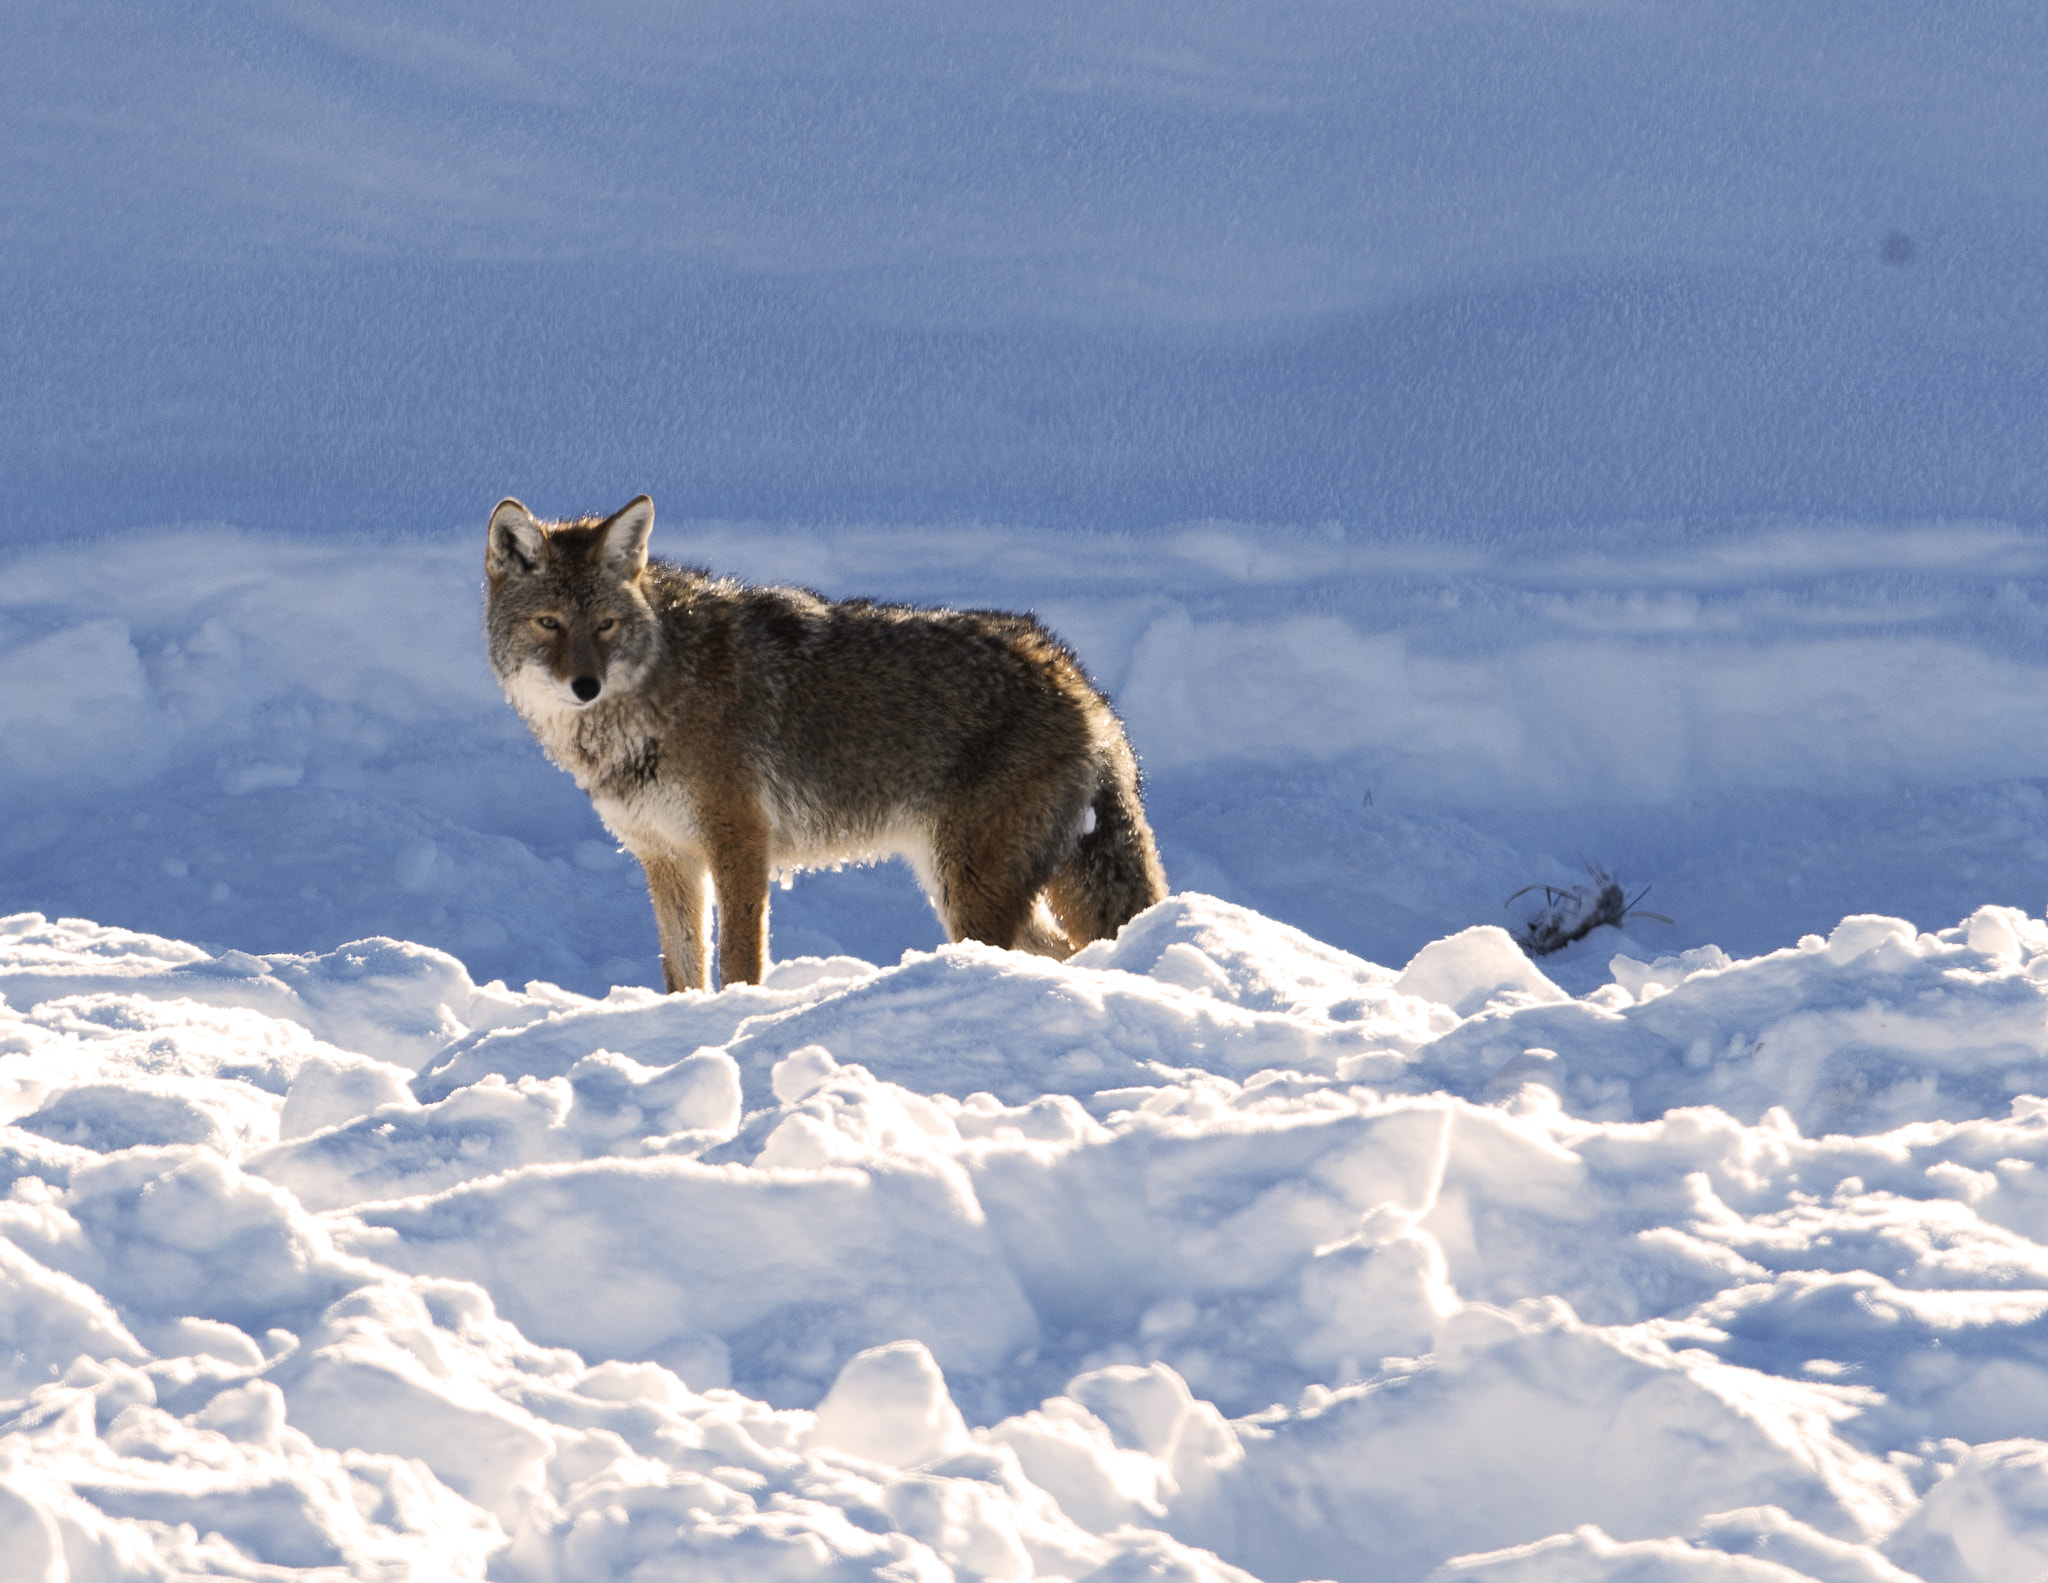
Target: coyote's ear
625, 537
515, 540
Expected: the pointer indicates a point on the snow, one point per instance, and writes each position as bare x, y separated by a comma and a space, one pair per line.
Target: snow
283, 745
1477, 447
1528, 263
1214, 1248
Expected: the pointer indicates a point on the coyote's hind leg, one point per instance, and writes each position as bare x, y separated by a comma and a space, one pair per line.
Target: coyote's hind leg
990, 864
1042, 934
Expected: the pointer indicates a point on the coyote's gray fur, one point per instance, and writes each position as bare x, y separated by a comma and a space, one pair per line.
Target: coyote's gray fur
725, 731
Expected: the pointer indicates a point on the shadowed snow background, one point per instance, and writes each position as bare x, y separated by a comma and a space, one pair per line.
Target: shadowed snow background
282, 744
1473, 269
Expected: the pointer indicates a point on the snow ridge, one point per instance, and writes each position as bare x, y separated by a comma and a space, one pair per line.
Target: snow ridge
1237, 1257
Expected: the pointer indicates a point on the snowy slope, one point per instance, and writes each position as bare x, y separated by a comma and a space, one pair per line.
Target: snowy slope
1213, 1249
1399, 264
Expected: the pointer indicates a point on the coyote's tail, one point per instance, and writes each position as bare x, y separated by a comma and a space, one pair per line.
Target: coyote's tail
1114, 873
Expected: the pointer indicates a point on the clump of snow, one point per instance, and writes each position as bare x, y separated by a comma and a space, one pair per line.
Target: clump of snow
889, 1405
1480, 967
1728, 1269
1643, 980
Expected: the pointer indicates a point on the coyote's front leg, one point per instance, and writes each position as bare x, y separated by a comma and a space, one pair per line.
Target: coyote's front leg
682, 915
739, 869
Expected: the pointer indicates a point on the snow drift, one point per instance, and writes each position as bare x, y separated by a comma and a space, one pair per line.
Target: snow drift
1215, 1252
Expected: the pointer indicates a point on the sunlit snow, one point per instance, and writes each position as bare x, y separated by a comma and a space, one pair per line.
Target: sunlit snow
1213, 1249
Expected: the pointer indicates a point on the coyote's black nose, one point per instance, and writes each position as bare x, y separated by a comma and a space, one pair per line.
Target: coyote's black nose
585, 688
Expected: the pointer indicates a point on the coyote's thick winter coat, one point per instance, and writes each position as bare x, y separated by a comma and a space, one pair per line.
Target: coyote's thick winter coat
725, 732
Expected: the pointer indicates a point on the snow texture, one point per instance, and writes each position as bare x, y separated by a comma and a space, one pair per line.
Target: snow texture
1482, 269
1213, 1253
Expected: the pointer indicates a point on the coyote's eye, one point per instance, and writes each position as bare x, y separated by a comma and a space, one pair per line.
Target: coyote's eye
548, 623
607, 624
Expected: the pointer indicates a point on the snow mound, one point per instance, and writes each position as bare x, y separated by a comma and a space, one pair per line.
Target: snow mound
1212, 1254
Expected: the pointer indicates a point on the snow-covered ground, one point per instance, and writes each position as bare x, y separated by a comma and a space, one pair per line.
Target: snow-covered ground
1212, 1252
1472, 444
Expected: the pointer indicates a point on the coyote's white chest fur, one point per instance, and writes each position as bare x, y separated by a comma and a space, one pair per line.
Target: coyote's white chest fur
597, 744
724, 732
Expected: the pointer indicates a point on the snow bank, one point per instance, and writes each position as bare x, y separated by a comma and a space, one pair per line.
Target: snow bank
1214, 1253
289, 746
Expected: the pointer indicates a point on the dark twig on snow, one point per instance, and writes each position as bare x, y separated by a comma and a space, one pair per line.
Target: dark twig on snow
1571, 912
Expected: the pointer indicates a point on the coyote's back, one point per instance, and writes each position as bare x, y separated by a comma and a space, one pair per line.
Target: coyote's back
726, 731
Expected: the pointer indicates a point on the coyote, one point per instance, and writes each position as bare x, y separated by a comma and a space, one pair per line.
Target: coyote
725, 731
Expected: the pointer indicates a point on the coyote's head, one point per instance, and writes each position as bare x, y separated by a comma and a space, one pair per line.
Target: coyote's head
563, 610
